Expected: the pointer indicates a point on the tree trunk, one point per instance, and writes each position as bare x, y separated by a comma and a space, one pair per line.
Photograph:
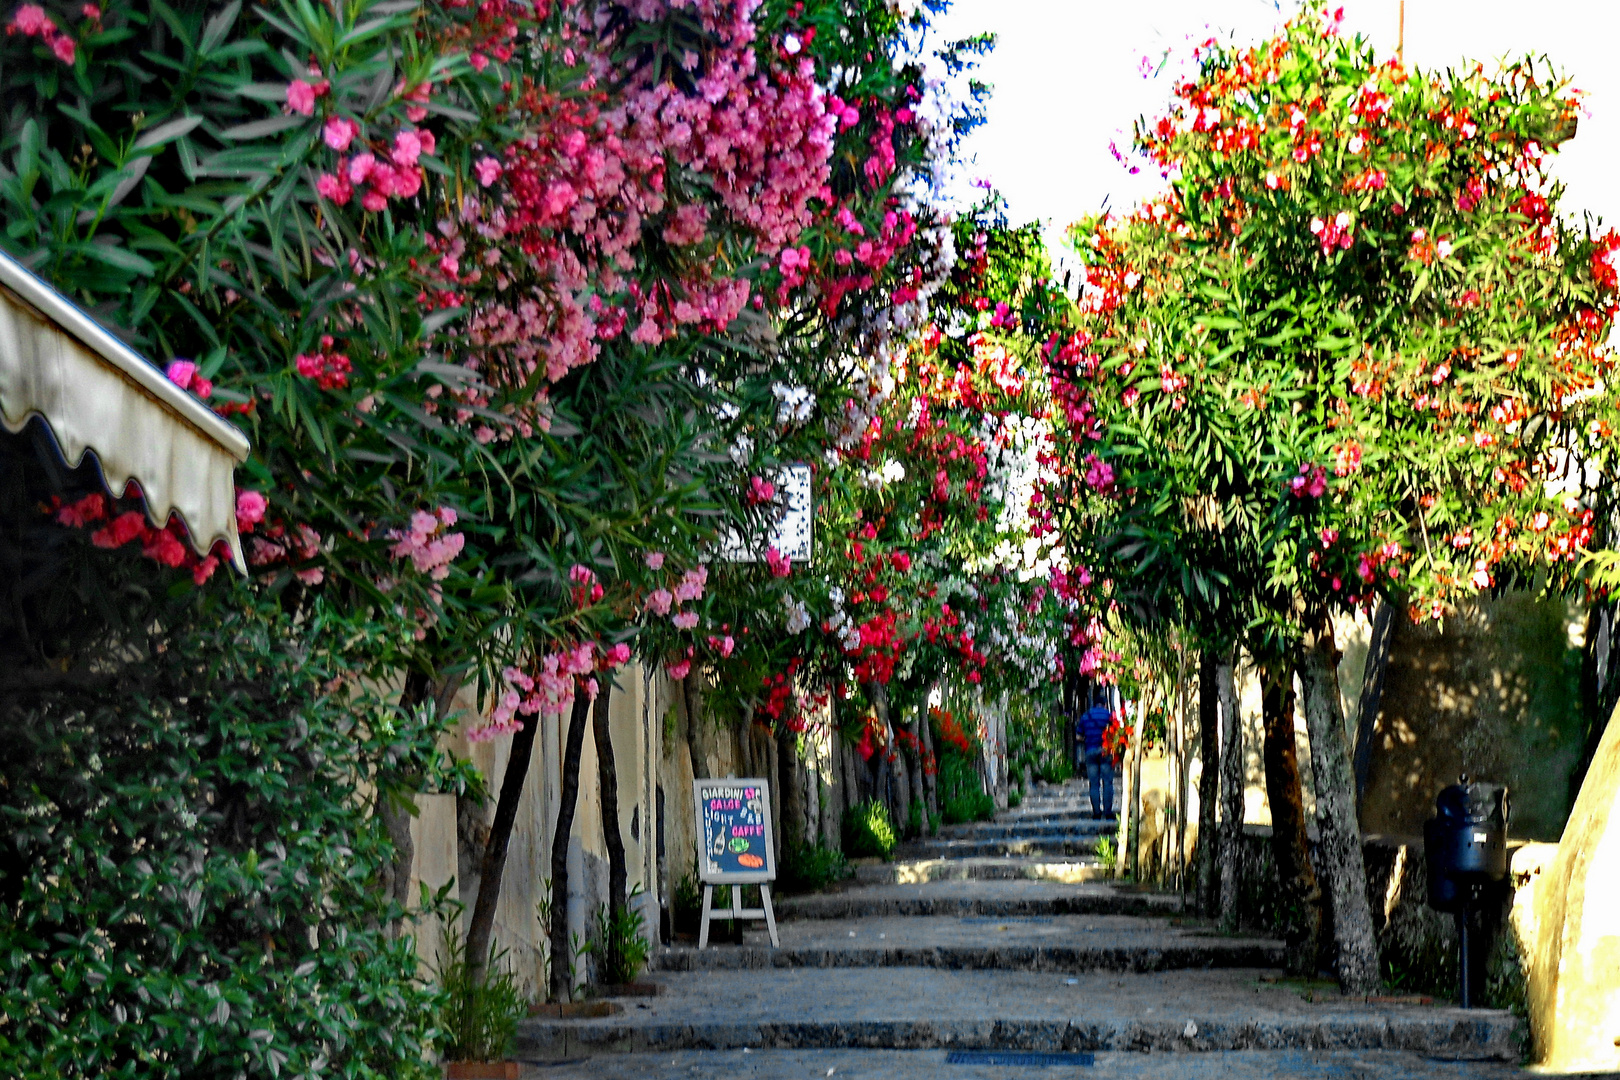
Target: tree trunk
697, 733
914, 778
770, 768
493, 866
562, 988
1232, 801
1372, 692
1290, 844
930, 776
791, 782
1209, 775
1341, 857
607, 777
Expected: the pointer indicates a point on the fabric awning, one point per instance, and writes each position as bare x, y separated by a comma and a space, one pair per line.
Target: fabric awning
99, 395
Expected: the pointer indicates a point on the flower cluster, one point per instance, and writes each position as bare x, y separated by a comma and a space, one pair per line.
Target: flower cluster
428, 543
30, 20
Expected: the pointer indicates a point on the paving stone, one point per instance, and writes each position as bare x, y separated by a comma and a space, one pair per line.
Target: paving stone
929, 1008
1013, 896
933, 1065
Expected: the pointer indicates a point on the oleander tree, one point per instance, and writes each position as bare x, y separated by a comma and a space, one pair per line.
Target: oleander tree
1355, 351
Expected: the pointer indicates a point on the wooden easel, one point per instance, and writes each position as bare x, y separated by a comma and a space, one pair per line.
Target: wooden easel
760, 869
765, 912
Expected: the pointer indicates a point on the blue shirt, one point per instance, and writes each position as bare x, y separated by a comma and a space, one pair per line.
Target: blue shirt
1091, 725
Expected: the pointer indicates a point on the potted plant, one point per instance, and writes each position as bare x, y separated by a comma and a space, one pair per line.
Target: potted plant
479, 1015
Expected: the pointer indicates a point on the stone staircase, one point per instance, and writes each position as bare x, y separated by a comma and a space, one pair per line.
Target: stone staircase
997, 936
1050, 837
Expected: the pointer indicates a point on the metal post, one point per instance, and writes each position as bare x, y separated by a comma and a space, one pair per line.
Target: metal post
1465, 974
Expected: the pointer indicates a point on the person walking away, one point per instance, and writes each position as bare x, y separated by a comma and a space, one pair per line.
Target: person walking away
1099, 769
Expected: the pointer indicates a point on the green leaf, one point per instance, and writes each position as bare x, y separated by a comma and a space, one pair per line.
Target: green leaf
117, 257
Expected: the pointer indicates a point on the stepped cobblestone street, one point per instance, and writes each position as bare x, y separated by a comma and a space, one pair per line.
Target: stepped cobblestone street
942, 952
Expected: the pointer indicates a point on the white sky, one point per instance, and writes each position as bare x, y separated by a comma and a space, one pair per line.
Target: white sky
1067, 82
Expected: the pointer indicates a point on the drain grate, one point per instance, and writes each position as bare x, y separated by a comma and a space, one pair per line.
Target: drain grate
1015, 1057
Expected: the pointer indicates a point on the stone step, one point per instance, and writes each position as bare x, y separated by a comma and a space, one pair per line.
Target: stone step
1027, 830
1077, 812
763, 1064
1061, 943
968, 848
917, 871
1014, 897
930, 1008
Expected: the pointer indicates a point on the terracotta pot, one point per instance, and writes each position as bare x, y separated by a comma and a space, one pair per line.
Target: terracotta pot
482, 1070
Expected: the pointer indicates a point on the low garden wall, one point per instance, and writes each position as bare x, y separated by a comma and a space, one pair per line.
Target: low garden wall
1417, 945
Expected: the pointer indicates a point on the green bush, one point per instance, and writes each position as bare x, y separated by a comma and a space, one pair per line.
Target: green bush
808, 867
868, 831
687, 905
1015, 798
623, 941
961, 793
1056, 769
189, 876
478, 1016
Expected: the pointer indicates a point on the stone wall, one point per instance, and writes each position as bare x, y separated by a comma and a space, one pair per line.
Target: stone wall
1417, 945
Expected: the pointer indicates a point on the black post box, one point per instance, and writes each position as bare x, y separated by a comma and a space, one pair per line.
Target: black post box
1465, 846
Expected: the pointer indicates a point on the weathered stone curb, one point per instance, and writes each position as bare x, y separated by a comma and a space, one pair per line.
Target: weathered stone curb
1478, 1033
918, 871
1211, 953
856, 906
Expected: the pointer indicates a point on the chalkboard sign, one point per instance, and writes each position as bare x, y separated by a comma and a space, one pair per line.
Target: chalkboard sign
734, 831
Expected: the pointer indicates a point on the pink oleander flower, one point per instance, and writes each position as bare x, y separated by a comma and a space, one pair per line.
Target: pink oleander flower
337, 189
680, 669
617, 656
301, 97
30, 19
407, 149
65, 49
1099, 474
692, 584
780, 567
360, 167
339, 132
488, 170
120, 531
659, 601
250, 508
686, 620
655, 560
90, 509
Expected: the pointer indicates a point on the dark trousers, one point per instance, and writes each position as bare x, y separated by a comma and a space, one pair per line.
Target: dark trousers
1100, 771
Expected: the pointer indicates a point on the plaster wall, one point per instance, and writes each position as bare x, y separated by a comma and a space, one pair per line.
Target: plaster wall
1493, 692
636, 704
